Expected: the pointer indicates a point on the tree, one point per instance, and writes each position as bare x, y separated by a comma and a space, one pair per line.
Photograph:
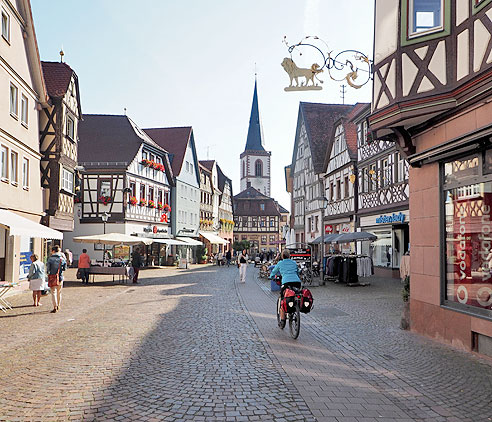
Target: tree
239, 245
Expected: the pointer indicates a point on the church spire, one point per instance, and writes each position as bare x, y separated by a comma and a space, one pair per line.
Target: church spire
254, 141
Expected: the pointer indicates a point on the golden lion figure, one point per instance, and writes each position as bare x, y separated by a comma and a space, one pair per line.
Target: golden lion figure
295, 72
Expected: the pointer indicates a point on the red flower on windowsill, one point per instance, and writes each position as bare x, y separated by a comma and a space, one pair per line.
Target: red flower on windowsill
160, 206
105, 199
153, 164
142, 202
166, 208
133, 200
151, 204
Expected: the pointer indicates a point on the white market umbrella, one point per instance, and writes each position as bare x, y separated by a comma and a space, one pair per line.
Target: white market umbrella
113, 239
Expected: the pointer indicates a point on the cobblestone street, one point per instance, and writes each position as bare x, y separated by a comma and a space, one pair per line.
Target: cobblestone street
196, 345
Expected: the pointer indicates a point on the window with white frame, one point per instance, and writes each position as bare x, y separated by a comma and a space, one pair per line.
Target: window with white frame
425, 16
4, 162
400, 170
14, 93
25, 173
386, 176
24, 109
67, 180
14, 163
5, 26
70, 128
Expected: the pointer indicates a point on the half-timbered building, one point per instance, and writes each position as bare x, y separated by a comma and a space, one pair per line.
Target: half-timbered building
382, 185
59, 144
314, 129
180, 142
340, 178
127, 178
206, 199
257, 219
431, 95
23, 94
226, 215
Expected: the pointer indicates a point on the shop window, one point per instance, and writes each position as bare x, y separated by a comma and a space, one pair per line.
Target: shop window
467, 227
380, 250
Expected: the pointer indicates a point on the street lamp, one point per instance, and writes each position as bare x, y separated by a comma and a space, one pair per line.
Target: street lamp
104, 218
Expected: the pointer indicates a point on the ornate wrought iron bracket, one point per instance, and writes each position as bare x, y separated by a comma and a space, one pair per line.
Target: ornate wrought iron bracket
345, 66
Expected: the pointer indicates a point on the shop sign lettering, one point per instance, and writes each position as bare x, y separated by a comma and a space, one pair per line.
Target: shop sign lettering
394, 218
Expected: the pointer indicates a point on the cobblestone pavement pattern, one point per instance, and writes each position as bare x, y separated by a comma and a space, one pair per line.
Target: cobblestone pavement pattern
171, 349
195, 345
362, 367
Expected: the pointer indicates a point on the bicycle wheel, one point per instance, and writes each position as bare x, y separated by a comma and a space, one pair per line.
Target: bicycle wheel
295, 322
280, 322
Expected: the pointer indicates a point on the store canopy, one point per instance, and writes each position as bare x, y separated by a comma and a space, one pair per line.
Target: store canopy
213, 238
190, 241
169, 242
328, 238
113, 239
20, 226
353, 237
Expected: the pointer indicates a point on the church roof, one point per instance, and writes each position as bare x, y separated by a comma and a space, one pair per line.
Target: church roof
254, 142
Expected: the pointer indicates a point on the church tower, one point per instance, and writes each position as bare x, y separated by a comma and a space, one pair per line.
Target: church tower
255, 161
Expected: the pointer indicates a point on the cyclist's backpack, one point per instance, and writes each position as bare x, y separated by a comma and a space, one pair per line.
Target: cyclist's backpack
288, 303
307, 301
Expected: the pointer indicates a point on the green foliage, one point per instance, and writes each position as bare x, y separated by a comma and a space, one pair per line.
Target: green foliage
240, 245
201, 252
405, 291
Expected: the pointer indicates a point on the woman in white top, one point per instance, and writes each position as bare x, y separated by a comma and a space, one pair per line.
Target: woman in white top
242, 262
36, 278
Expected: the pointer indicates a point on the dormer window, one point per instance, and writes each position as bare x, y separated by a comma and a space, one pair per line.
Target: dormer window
425, 16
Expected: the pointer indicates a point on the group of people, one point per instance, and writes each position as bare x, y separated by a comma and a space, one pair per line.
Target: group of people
38, 272
223, 259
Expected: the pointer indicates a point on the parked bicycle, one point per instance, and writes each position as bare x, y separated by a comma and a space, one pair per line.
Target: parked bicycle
305, 274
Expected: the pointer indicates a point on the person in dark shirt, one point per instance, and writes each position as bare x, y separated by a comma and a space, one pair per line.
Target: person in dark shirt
136, 264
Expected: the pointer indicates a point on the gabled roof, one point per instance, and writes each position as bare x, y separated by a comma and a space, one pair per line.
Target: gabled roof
319, 120
251, 193
204, 169
208, 164
57, 77
358, 111
254, 141
222, 180
175, 140
114, 140
282, 209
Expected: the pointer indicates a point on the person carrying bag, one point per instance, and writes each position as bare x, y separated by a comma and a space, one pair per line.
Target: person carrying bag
55, 266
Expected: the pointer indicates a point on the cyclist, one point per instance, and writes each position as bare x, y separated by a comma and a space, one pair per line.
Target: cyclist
289, 271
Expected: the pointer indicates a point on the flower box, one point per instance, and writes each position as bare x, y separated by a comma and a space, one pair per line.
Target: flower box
133, 200
151, 204
142, 203
105, 199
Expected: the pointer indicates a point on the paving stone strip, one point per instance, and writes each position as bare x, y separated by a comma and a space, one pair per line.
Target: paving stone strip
174, 349
358, 329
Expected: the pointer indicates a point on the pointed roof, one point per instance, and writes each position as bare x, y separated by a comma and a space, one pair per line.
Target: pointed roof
175, 140
251, 193
208, 164
113, 140
254, 142
319, 120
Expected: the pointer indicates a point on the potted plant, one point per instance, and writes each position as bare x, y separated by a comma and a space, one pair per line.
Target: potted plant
105, 199
142, 202
133, 200
201, 254
151, 204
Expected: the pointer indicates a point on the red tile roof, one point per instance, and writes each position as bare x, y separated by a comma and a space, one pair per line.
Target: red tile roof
174, 140
57, 77
209, 164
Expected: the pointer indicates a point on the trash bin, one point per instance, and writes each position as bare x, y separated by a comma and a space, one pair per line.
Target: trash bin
274, 287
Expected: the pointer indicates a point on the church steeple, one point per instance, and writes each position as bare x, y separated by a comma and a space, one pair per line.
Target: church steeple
255, 161
254, 142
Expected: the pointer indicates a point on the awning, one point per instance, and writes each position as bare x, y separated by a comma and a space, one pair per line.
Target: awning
354, 236
20, 226
113, 239
190, 241
169, 242
328, 238
213, 238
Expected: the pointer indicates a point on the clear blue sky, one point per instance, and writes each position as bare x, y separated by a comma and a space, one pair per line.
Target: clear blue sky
192, 62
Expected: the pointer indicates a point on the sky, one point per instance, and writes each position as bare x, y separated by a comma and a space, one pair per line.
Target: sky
193, 63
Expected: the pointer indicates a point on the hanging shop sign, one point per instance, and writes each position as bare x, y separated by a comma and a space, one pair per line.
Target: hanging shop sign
388, 219
300, 254
154, 229
328, 228
348, 66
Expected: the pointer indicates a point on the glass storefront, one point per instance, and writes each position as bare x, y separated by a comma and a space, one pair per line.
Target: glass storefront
391, 244
468, 237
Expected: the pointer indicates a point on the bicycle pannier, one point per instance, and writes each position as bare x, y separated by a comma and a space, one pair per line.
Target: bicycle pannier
289, 301
307, 301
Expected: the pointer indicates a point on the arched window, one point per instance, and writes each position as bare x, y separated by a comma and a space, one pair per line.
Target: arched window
258, 168
244, 169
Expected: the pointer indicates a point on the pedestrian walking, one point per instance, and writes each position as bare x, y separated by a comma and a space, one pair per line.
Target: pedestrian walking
69, 257
84, 265
54, 267
36, 278
136, 264
228, 257
242, 263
